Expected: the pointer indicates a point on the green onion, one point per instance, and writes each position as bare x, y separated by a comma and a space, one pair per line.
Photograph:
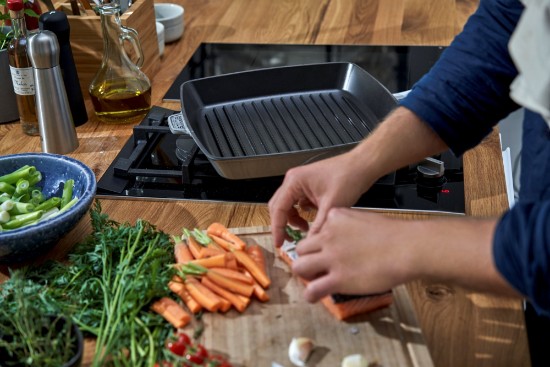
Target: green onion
22, 187
37, 194
7, 188
67, 192
7, 205
13, 177
22, 208
48, 204
23, 220
4, 216
35, 177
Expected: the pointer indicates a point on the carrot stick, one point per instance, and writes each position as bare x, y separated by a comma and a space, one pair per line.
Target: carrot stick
231, 261
246, 261
177, 286
230, 284
257, 254
244, 299
225, 304
210, 251
195, 247
235, 300
216, 261
181, 251
171, 311
226, 245
204, 296
259, 291
219, 230
234, 274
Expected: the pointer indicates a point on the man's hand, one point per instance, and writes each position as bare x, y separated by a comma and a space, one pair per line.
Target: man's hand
360, 252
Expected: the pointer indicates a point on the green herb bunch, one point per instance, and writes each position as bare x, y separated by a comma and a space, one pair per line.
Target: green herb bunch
28, 335
107, 286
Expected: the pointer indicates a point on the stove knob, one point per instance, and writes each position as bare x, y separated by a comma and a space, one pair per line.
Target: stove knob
431, 168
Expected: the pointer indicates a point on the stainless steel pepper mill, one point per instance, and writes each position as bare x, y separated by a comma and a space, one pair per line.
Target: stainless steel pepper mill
57, 131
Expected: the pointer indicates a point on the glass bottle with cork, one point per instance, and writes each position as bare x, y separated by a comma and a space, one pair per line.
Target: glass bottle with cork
21, 69
120, 91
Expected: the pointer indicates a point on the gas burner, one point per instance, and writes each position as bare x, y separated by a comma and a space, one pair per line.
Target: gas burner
156, 164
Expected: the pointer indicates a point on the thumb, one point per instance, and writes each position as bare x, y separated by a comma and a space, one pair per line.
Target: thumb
320, 218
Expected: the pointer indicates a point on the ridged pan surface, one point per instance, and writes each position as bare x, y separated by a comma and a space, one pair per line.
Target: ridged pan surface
263, 122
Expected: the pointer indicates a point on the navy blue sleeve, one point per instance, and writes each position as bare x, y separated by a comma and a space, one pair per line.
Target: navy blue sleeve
521, 247
467, 92
522, 251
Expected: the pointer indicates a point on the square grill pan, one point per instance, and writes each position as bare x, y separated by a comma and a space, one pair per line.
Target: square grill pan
262, 122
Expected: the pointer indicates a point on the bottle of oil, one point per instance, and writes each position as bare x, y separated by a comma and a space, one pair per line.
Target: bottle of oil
120, 91
21, 69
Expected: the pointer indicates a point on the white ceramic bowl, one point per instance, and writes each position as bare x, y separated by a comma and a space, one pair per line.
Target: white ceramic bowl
160, 37
171, 16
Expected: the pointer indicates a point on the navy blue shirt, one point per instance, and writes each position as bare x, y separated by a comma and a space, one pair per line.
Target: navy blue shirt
470, 86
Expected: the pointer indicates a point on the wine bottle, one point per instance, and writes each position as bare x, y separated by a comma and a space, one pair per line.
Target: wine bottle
21, 69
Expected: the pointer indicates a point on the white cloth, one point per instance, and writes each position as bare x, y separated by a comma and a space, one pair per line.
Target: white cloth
530, 50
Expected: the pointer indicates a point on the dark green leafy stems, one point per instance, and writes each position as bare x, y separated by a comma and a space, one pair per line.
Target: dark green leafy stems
107, 285
28, 336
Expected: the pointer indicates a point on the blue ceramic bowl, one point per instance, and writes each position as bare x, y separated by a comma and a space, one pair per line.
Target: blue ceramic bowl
27, 243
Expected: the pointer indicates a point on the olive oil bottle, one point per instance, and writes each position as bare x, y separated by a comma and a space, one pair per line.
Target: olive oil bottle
120, 91
118, 101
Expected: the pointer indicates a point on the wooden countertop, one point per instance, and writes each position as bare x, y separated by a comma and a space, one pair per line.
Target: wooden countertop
462, 328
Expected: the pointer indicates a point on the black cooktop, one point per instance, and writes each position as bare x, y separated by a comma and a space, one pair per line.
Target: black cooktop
396, 67
156, 164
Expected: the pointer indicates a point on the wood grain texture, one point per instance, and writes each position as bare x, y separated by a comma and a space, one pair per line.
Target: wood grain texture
461, 328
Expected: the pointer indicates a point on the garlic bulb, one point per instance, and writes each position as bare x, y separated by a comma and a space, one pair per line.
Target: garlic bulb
299, 350
355, 360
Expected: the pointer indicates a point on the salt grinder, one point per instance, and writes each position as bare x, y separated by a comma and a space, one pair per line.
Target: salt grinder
57, 131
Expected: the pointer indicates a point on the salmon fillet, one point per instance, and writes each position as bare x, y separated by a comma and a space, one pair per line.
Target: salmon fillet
339, 305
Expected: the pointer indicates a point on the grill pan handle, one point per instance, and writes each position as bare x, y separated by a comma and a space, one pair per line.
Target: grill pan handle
178, 125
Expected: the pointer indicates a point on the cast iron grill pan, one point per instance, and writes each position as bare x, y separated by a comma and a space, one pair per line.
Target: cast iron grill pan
261, 123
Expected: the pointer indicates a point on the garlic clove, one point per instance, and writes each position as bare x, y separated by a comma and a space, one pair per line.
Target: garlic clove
299, 350
355, 360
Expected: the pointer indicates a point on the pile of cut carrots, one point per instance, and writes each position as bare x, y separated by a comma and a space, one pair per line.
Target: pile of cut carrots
216, 271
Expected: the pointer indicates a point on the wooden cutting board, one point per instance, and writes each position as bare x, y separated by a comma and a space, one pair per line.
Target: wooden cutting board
262, 334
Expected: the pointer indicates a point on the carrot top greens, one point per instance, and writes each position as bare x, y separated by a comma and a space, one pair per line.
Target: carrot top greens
106, 286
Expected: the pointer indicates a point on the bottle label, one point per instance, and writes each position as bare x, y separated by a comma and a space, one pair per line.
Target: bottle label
23, 81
